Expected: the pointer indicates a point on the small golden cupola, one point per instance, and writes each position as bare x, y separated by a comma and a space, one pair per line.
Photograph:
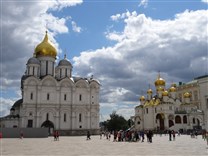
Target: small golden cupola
160, 81
165, 93
45, 48
149, 91
160, 89
172, 88
142, 98
187, 95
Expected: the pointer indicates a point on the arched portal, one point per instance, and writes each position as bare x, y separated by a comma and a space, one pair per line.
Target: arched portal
170, 120
160, 117
48, 124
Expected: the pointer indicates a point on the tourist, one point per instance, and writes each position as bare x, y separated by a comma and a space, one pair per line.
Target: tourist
54, 135
207, 137
100, 135
150, 136
142, 135
173, 132
170, 135
57, 135
21, 134
88, 135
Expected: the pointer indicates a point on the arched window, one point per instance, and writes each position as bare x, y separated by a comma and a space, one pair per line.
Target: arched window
80, 117
194, 121
178, 119
80, 97
47, 116
48, 96
31, 96
64, 117
184, 119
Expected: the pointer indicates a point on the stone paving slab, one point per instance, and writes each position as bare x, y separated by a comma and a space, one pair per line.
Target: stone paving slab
78, 146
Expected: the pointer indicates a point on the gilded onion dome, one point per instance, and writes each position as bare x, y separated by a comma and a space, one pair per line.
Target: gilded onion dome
187, 95
142, 98
165, 93
149, 91
172, 89
45, 48
160, 89
160, 81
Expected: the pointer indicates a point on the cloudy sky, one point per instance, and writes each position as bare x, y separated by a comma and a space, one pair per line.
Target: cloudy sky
123, 43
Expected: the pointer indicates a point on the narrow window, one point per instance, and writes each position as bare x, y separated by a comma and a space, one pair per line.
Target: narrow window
30, 123
207, 103
31, 96
155, 110
64, 117
66, 72
47, 116
33, 70
147, 110
178, 119
46, 67
80, 117
184, 119
92, 96
194, 121
60, 73
48, 96
64, 97
80, 97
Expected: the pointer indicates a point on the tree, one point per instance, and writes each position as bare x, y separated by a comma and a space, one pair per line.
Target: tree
116, 122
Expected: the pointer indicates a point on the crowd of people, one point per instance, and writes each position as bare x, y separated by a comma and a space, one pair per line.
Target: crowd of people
136, 136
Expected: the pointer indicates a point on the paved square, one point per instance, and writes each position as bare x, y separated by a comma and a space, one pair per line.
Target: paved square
79, 146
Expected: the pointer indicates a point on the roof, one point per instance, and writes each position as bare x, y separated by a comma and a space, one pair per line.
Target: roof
200, 77
17, 103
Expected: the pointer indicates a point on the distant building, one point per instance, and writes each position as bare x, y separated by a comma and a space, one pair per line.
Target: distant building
183, 107
53, 98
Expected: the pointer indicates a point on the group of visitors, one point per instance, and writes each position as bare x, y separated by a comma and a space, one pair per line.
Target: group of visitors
171, 134
129, 135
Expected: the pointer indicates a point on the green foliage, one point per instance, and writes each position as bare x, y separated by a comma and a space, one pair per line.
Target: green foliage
116, 122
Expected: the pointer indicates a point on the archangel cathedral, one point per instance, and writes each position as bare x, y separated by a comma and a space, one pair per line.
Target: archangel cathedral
181, 107
53, 98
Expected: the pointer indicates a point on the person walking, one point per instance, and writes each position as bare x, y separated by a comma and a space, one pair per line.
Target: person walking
21, 134
170, 135
88, 135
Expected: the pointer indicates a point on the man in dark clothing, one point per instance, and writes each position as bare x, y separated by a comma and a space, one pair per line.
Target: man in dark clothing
170, 135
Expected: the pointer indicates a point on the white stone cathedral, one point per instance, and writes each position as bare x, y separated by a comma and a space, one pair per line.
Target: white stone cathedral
53, 98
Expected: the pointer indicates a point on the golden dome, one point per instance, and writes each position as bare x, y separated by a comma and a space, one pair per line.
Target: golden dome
45, 48
160, 89
149, 91
165, 93
172, 89
187, 95
159, 81
173, 85
142, 98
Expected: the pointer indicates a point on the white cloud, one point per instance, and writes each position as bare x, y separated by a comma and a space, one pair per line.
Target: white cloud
22, 29
5, 105
125, 112
143, 3
177, 47
75, 28
205, 1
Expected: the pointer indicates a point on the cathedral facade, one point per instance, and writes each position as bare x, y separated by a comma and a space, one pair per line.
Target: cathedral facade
183, 107
53, 98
